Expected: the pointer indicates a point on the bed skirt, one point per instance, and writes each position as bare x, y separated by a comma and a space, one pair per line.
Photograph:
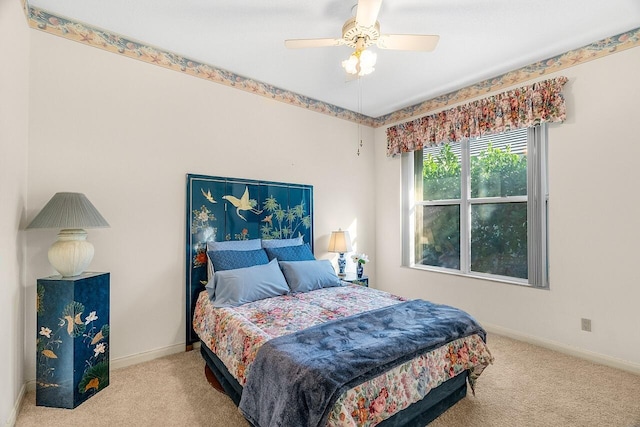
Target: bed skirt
422, 412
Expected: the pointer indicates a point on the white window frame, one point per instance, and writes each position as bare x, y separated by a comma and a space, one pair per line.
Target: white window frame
537, 200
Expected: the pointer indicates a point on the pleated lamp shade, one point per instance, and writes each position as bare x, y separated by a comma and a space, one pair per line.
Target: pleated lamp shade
71, 254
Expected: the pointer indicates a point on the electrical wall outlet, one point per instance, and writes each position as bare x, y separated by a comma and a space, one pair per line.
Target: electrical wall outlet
586, 324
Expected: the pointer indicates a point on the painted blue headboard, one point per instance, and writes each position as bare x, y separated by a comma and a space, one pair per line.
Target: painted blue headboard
220, 209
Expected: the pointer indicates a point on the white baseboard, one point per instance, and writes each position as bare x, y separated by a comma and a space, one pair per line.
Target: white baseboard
591, 356
11, 421
146, 356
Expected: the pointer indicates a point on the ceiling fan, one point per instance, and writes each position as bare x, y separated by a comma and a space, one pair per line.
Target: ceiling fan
363, 31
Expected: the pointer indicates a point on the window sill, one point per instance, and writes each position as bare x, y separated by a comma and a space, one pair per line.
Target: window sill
499, 279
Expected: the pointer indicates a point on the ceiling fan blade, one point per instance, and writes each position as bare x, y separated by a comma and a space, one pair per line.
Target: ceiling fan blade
302, 43
367, 13
408, 42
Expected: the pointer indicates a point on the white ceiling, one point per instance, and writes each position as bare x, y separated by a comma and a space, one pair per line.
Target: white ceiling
479, 39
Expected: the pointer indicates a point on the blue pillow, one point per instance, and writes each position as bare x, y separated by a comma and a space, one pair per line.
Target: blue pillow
230, 245
279, 243
234, 245
243, 285
305, 276
230, 260
291, 253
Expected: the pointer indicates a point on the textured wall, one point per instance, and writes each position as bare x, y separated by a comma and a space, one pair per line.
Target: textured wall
593, 227
126, 134
14, 90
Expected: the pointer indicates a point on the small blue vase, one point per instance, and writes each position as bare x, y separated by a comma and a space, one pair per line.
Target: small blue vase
359, 270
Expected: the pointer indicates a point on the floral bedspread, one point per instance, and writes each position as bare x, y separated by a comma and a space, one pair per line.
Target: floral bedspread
235, 334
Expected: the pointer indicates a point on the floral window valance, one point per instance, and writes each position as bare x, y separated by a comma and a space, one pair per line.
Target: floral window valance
518, 108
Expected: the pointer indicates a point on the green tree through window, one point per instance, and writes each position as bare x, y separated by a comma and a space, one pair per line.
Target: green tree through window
476, 220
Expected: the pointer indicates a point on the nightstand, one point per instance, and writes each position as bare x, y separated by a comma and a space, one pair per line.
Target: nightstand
352, 278
72, 339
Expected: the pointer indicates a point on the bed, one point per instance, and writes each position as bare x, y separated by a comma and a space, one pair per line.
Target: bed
270, 305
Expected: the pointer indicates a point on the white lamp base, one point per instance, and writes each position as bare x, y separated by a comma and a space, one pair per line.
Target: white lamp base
71, 254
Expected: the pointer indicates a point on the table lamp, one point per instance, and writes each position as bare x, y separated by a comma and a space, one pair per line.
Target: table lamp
71, 254
340, 242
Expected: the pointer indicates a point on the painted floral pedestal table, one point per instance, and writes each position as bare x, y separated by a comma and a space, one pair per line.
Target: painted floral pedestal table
72, 361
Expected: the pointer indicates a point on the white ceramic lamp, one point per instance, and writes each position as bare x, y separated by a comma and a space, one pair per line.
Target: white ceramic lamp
71, 254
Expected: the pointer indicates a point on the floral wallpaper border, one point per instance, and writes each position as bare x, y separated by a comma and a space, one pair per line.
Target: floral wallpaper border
45, 21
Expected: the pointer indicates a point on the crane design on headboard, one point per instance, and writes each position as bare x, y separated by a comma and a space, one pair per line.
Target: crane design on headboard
244, 203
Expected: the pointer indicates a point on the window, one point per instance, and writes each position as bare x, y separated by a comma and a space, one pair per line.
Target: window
479, 207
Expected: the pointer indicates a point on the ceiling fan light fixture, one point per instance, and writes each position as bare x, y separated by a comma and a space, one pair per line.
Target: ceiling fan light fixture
361, 62
350, 64
363, 31
367, 62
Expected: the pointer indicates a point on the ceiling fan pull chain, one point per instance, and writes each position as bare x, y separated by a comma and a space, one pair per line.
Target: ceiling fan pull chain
360, 113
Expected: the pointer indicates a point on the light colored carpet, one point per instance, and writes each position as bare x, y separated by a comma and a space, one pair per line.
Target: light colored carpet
526, 386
